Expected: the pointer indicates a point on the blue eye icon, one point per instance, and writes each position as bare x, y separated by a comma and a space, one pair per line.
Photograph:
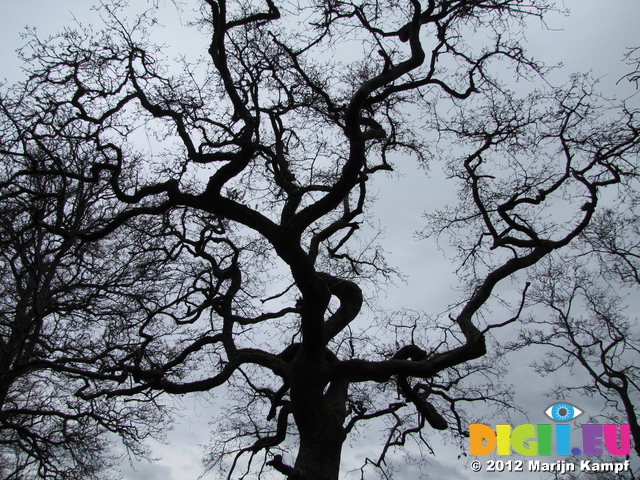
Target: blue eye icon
563, 412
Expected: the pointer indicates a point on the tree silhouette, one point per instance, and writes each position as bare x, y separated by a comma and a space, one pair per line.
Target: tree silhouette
587, 325
62, 305
257, 171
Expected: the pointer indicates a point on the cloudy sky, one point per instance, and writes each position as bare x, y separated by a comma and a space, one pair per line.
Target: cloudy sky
593, 38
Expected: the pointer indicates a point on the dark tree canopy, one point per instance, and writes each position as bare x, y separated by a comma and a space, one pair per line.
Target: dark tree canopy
202, 221
64, 305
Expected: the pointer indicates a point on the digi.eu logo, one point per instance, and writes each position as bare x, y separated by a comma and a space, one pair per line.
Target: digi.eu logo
531, 440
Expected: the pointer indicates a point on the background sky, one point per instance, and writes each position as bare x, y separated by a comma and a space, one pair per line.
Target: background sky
593, 38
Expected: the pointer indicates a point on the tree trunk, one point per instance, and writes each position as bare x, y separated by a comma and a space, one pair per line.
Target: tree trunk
319, 454
319, 412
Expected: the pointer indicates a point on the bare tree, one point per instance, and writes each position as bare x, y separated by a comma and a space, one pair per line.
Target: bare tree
589, 331
585, 295
261, 162
586, 319
61, 303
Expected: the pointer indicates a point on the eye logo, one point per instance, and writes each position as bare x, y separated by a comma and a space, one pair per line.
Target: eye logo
563, 412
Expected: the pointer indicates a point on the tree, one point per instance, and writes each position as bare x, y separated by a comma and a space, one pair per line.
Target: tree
581, 310
586, 329
587, 325
61, 303
602, 341
259, 163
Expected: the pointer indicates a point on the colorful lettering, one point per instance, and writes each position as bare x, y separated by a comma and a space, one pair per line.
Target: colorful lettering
611, 439
530, 440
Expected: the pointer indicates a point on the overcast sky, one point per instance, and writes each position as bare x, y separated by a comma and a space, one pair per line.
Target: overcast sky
593, 38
